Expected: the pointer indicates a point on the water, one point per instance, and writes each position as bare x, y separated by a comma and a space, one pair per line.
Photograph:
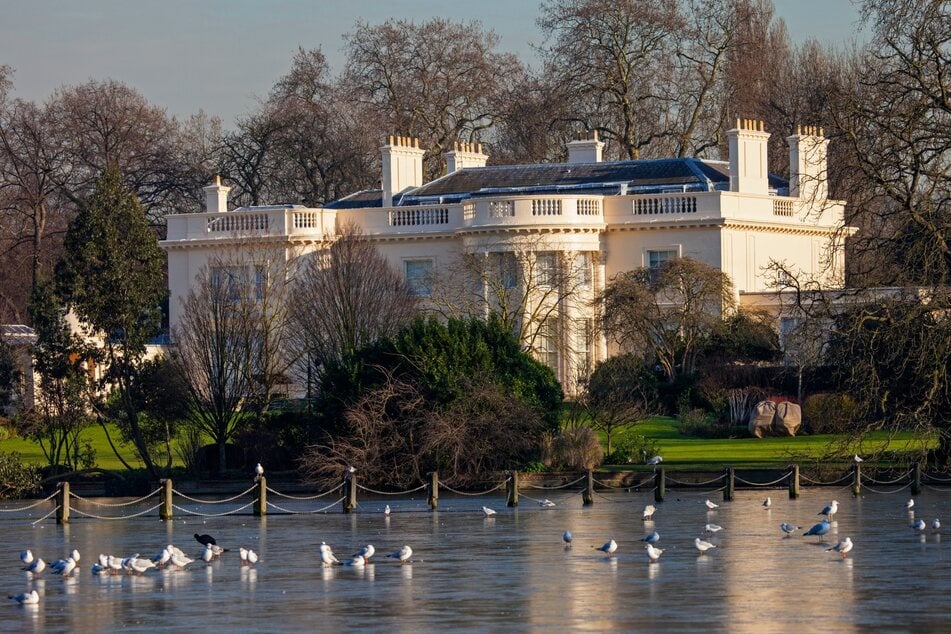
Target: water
510, 573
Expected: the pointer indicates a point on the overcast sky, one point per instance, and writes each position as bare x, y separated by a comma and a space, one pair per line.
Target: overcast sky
220, 55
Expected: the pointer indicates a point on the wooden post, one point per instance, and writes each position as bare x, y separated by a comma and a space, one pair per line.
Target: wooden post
62, 512
856, 478
916, 479
660, 484
512, 490
433, 498
730, 489
260, 504
349, 493
587, 496
794, 482
165, 511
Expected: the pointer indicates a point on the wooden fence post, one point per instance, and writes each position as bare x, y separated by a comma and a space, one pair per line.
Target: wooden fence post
433, 498
794, 482
856, 479
349, 493
729, 490
660, 484
916, 479
165, 511
62, 512
512, 490
587, 496
260, 504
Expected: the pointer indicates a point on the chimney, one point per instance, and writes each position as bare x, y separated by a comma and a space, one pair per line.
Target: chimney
585, 149
216, 196
402, 166
464, 155
748, 169
807, 163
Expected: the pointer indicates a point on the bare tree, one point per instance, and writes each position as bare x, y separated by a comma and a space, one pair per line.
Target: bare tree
620, 392
345, 297
668, 311
438, 80
249, 156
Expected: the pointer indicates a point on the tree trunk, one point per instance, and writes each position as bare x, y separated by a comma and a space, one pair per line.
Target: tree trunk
221, 456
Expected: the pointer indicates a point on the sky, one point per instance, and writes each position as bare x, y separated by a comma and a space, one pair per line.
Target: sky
221, 56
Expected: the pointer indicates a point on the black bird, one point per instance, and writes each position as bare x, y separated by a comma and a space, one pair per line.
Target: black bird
204, 540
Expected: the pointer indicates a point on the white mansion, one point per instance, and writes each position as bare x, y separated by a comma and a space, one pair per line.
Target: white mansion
596, 218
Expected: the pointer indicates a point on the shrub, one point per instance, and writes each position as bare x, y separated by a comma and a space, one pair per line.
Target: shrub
631, 448
573, 449
831, 413
16, 478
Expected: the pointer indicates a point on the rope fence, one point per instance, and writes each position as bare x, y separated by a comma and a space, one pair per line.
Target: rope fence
866, 478
226, 500
231, 512
555, 488
782, 478
30, 506
116, 504
375, 492
305, 497
457, 492
290, 512
56, 508
116, 517
821, 483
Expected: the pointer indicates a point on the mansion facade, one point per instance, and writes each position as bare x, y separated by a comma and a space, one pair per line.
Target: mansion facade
554, 234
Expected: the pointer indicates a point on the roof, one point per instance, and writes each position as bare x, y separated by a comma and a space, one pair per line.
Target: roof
606, 178
17, 335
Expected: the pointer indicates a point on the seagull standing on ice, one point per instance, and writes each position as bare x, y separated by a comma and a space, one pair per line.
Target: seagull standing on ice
366, 552
936, 525
566, 536
386, 511
546, 503
830, 510
919, 525
26, 557
653, 554
357, 561
819, 529
910, 504
327, 555
712, 505
179, 560
842, 547
608, 547
712, 528
37, 566
653, 538
702, 545
767, 503
252, 557
488, 512
208, 554
26, 598
403, 554
789, 529
65, 568
649, 511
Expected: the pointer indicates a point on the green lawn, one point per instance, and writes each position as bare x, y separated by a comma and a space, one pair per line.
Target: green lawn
31, 453
680, 451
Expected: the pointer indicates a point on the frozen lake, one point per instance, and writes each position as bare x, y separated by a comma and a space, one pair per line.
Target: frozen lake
507, 573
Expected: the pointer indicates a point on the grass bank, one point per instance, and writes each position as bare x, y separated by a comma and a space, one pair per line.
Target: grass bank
684, 452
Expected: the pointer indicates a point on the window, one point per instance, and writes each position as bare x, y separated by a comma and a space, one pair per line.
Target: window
656, 258
419, 276
545, 269
586, 354
548, 345
583, 270
230, 279
508, 270
787, 326
260, 282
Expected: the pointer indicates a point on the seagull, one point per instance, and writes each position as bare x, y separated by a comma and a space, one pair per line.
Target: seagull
649, 511
910, 504
357, 561
258, 470
204, 540
114, 564
488, 512
327, 555
656, 460
713, 528
26, 598
842, 547
162, 558
767, 503
208, 554
653, 554
252, 557
819, 529
140, 565
366, 552
243, 555
919, 525
712, 505
180, 560
789, 529
65, 568
97, 569
26, 557
175, 550
567, 537
653, 538
609, 547
37, 566
403, 554
830, 510
386, 511
936, 525
546, 503
351, 469
857, 458
702, 545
